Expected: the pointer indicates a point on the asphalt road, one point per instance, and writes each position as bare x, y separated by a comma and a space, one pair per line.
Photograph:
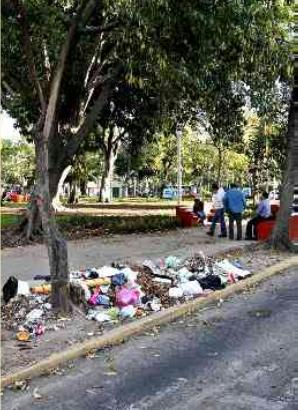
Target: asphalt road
241, 355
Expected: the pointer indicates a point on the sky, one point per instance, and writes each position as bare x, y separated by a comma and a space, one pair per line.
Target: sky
7, 130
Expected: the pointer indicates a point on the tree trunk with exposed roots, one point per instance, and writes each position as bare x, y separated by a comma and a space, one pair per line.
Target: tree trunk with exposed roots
280, 237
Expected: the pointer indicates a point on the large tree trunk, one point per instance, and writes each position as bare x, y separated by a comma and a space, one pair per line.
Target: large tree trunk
108, 171
280, 238
57, 248
31, 223
83, 188
105, 173
73, 194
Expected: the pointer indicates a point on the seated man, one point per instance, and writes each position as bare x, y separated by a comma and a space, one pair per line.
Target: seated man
198, 209
263, 213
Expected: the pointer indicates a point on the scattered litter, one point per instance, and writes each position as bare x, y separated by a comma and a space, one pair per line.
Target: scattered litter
36, 395
162, 280
101, 317
35, 314
220, 302
23, 335
229, 268
175, 292
23, 288
10, 289
128, 312
191, 288
125, 297
172, 262
111, 293
19, 385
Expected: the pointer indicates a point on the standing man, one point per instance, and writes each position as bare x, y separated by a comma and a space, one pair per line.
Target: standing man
263, 213
217, 204
234, 203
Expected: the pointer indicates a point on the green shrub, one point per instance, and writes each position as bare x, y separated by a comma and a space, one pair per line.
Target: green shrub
116, 224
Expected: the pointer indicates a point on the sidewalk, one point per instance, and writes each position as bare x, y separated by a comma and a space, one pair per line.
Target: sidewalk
26, 262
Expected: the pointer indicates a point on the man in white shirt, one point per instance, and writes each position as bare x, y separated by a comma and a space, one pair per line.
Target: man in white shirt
217, 204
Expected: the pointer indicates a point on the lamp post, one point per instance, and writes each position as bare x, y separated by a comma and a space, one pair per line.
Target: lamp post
179, 166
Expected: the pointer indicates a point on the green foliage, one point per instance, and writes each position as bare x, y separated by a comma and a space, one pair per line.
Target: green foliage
265, 137
176, 50
17, 162
158, 161
163, 63
8, 220
87, 166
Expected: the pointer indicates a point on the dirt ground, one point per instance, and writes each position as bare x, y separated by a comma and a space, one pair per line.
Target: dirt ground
66, 332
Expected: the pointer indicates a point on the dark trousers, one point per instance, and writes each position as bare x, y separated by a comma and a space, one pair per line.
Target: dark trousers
252, 225
238, 218
219, 216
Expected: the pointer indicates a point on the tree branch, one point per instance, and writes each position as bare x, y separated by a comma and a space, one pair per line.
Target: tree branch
8, 88
89, 121
102, 29
82, 16
47, 63
95, 80
22, 17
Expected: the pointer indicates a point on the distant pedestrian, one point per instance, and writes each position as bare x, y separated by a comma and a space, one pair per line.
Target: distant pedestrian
218, 206
234, 203
263, 213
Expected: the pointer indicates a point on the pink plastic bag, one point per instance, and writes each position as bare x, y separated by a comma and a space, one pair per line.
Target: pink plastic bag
93, 299
125, 297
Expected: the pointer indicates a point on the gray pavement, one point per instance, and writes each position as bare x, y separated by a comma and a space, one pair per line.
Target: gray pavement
241, 355
26, 262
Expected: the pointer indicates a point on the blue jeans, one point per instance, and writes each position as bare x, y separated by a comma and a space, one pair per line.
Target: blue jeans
201, 215
219, 216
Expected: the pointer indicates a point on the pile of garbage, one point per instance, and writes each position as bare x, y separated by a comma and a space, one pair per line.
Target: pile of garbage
26, 315
117, 292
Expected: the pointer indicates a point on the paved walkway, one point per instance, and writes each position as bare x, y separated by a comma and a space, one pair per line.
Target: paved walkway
25, 262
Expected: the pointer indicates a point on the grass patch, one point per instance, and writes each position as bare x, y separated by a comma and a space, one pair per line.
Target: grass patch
8, 220
9, 204
133, 203
116, 224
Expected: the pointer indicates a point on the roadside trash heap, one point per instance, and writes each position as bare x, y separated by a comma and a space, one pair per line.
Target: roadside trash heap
117, 292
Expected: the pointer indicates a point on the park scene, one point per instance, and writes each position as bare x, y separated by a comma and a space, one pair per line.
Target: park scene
149, 205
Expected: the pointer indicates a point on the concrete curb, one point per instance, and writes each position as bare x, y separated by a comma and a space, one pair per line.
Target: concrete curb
118, 335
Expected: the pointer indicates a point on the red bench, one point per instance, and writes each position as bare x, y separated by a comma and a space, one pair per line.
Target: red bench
186, 217
293, 228
265, 228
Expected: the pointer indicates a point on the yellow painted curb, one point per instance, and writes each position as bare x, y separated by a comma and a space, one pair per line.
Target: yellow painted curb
119, 334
